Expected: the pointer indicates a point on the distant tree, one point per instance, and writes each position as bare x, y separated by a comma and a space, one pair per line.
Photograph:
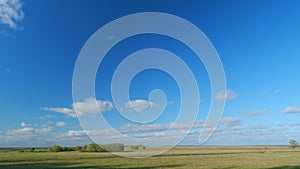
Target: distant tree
115, 147
294, 144
56, 149
141, 147
134, 147
78, 148
83, 148
31, 149
94, 148
64, 148
137, 147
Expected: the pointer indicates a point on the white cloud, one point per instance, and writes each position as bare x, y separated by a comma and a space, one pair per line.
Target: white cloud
143, 127
257, 127
189, 132
227, 95
88, 106
30, 131
77, 133
47, 116
166, 132
23, 124
231, 132
93, 106
253, 113
66, 111
231, 121
289, 110
27, 136
277, 91
138, 105
49, 122
131, 128
61, 124
148, 135
11, 13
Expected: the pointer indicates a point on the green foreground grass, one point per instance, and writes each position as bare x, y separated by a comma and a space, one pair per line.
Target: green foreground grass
179, 157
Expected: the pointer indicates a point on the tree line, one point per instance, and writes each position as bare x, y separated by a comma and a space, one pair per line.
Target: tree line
114, 147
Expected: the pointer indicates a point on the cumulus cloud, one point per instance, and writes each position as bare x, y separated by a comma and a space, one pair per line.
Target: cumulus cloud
88, 106
131, 128
254, 113
143, 127
231, 121
30, 131
61, 124
11, 13
227, 95
256, 127
27, 136
66, 111
47, 116
289, 110
189, 132
76, 133
148, 131
231, 132
138, 105
23, 124
93, 106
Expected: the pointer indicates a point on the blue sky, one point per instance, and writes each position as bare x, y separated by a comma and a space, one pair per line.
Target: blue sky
258, 43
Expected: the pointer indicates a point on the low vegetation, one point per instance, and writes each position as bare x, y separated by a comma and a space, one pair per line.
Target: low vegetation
137, 147
115, 147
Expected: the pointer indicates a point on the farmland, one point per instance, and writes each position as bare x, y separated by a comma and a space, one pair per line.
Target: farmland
267, 157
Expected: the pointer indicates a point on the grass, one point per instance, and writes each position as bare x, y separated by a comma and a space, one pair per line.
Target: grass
179, 157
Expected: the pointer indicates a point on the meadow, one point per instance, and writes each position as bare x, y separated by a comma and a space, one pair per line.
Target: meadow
248, 157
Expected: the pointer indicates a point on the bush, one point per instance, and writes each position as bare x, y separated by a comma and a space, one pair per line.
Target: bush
115, 147
93, 148
31, 149
67, 148
139, 147
134, 147
83, 148
78, 148
59, 148
56, 149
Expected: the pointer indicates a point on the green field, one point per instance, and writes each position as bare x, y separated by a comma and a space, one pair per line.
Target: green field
270, 157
